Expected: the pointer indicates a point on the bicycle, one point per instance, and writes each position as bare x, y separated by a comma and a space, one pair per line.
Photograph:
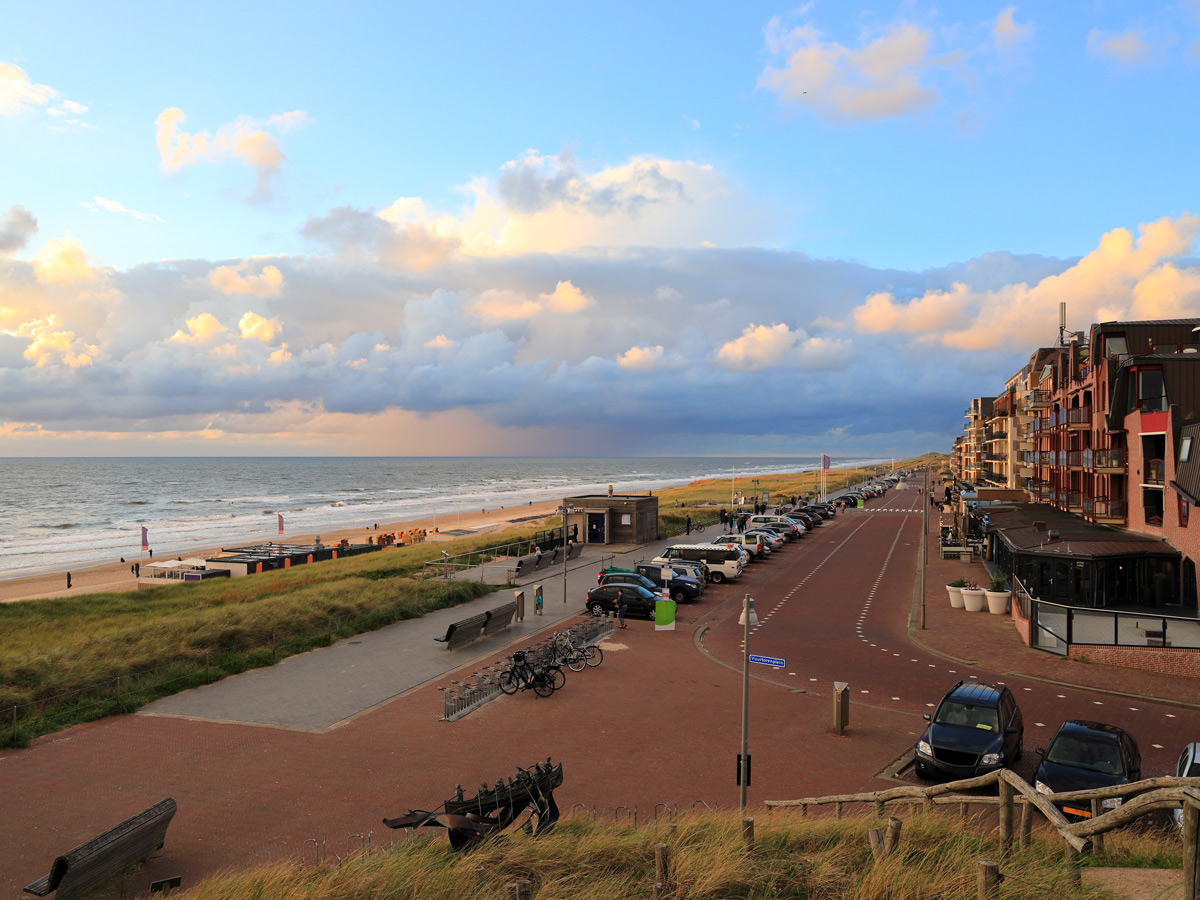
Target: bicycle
575, 658
523, 676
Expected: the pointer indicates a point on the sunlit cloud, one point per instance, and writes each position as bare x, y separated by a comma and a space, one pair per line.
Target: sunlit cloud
1123, 278
62, 261
200, 329
1007, 33
1129, 48
254, 327
885, 77
239, 280
250, 141
18, 93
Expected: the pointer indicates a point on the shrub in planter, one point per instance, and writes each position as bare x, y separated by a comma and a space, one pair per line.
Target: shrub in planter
954, 589
997, 596
973, 597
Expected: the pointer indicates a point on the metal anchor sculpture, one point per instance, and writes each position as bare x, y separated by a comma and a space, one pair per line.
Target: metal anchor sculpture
493, 809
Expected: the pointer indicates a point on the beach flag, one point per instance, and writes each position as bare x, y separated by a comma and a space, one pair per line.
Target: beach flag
280, 515
824, 463
145, 538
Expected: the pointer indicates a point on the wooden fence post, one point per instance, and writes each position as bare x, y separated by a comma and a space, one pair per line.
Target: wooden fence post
891, 837
662, 866
1098, 837
987, 879
1006, 816
1191, 845
748, 834
1027, 813
521, 889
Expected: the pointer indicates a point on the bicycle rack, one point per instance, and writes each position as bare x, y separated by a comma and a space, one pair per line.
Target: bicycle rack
705, 805
671, 811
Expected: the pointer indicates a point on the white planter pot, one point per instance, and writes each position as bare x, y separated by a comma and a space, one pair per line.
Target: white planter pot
956, 600
997, 602
973, 600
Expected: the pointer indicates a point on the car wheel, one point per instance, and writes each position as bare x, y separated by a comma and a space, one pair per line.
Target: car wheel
1020, 749
718, 577
679, 596
597, 609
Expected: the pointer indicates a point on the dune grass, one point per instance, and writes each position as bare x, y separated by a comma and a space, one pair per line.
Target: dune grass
793, 857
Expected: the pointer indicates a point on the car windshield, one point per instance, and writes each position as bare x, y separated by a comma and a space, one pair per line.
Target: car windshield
1083, 752
967, 715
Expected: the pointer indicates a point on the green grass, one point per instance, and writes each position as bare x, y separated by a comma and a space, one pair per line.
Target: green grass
818, 858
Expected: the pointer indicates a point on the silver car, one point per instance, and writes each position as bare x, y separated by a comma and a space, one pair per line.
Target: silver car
1187, 767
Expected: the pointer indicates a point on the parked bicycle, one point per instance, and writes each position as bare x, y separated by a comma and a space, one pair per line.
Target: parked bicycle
572, 656
523, 676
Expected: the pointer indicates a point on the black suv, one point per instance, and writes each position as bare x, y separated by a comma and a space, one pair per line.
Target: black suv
1085, 755
638, 600
975, 729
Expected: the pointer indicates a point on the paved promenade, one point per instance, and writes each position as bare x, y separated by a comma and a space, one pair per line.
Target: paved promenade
324, 746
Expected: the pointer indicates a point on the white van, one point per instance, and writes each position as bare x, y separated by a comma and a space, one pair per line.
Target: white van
723, 561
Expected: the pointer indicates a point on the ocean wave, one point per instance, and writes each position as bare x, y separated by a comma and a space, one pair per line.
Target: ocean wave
133, 502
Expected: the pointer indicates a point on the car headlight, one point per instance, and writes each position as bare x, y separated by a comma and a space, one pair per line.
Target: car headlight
1113, 802
1042, 788
992, 759
924, 749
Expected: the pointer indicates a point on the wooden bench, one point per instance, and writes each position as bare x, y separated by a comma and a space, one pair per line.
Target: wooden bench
950, 552
500, 617
78, 871
523, 565
545, 559
574, 551
462, 632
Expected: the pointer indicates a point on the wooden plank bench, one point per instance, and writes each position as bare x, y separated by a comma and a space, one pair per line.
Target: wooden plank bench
951, 552
574, 551
500, 617
545, 559
78, 871
523, 565
461, 632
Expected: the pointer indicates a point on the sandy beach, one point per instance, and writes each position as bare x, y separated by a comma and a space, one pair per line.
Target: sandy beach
116, 576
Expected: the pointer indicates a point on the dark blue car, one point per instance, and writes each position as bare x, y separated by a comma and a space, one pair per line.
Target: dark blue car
975, 729
1085, 755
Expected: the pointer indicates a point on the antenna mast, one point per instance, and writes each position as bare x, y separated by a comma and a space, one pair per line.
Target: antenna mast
1062, 323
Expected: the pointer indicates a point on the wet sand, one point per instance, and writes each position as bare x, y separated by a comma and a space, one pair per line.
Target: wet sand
116, 576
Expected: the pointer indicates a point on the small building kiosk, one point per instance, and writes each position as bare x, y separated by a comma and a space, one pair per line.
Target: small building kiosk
613, 518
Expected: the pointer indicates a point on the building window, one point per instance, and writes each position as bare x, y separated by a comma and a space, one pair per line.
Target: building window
1185, 507
1185, 449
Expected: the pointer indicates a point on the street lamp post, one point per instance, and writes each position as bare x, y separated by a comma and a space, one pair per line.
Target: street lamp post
566, 509
749, 617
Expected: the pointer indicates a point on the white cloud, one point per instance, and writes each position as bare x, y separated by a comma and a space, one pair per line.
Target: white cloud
100, 203
247, 140
240, 280
18, 93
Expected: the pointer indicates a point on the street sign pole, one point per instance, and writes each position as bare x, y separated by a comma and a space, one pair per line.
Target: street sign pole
745, 758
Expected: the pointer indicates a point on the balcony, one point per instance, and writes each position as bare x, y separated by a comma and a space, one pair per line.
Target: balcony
1079, 417
1155, 471
1074, 501
1075, 458
1109, 511
1039, 399
1110, 461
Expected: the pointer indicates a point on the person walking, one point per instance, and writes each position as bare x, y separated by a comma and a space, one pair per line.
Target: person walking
688, 525
621, 607
68, 584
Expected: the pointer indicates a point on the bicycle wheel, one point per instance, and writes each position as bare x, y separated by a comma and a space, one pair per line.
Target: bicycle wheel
557, 676
699, 529
543, 684
593, 654
576, 661
509, 681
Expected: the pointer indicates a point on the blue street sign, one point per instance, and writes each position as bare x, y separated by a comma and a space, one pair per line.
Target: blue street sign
768, 661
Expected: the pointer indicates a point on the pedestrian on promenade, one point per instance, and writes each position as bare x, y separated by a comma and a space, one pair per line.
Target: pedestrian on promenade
68, 584
621, 607
688, 525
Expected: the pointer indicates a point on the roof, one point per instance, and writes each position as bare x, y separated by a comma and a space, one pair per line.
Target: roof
975, 692
1026, 528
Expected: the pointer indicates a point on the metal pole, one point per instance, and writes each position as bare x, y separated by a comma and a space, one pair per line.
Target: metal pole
564, 526
745, 698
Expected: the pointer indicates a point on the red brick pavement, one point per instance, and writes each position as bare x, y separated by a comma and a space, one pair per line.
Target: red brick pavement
658, 723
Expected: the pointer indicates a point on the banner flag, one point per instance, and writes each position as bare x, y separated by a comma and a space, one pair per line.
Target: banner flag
824, 463
145, 538
280, 522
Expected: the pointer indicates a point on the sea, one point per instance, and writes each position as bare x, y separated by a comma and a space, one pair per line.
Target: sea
63, 513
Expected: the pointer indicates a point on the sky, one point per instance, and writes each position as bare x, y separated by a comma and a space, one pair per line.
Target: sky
537, 229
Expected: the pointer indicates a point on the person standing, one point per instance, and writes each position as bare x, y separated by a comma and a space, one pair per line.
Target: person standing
68, 581
621, 607
688, 525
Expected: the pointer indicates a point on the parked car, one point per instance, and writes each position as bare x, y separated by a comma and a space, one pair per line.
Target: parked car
683, 589
684, 568
1187, 767
638, 600
790, 532
757, 522
976, 728
624, 576
723, 560
1084, 755
771, 539
751, 544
